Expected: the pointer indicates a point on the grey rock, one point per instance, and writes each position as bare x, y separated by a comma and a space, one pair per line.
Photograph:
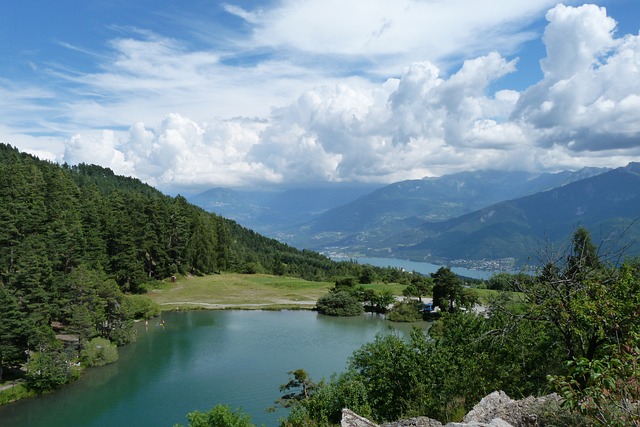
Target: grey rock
415, 422
351, 419
497, 422
517, 413
495, 410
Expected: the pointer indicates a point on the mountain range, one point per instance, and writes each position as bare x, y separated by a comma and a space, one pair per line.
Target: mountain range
269, 211
468, 218
539, 225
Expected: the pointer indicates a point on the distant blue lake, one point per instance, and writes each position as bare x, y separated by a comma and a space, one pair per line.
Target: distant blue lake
200, 359
422, 267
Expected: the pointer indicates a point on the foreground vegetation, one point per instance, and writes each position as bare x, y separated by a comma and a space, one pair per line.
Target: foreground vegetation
573, 329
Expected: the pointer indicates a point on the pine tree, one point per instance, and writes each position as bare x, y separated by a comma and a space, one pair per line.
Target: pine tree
13, 331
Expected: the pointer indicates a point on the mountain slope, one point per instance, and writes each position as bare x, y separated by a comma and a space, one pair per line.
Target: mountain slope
272, 210
371, 219
607, 204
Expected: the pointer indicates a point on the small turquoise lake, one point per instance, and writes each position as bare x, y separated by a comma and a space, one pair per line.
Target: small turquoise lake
200, 359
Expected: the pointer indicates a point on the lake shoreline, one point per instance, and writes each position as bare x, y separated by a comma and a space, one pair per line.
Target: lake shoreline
198, 359
232, 292
268, 306
166, 307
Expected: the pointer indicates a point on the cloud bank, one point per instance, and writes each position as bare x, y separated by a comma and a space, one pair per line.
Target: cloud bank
416, 121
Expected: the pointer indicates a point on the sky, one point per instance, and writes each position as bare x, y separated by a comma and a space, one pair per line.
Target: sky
197, 94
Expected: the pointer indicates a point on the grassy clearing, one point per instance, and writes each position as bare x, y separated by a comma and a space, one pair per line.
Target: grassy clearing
17, 392
238, 291
248, 291
484, 294
255, 291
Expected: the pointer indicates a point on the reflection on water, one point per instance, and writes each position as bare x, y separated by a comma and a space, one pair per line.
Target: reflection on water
197, 360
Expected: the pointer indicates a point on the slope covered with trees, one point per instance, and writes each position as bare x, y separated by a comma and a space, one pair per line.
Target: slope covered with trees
607, 204
77, 241
367, 223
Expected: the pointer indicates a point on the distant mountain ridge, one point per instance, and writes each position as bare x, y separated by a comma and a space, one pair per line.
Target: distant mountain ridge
366, 224
607, 204
271, 210
460, 219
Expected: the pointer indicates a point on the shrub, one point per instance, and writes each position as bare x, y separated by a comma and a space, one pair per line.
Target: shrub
405, 311
219, 416
339, 303
140, 307
99, 352
50, 367
17, 392
345, 283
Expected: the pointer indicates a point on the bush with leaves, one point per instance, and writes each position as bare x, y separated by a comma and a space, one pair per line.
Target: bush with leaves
99, 352
405, 311
340, 303
321, 404
219, 416
441, 376
604, 391
140, 307
50, 368
592, 307
576, 324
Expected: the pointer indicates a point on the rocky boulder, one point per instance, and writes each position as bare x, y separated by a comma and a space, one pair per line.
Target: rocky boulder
495, 410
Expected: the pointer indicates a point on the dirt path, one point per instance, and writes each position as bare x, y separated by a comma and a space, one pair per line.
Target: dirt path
8, 386
216, 306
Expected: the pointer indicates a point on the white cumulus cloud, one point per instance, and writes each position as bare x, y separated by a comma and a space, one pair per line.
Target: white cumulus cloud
347, 90
588, 98
585, 111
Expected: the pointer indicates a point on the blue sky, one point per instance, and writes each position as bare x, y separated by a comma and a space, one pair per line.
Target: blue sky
195, 94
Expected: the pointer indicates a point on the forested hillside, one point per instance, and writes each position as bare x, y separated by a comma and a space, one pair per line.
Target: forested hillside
608, 204
370, 223
75, 241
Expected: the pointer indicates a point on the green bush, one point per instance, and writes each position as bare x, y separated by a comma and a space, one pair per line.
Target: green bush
341, 303
50, 368
140, 307
345, 283
405, 311
343, 391
99, 352
219, 416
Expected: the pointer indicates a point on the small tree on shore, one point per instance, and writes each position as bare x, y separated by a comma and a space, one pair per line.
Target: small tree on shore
299, 387
341, 303
449, 293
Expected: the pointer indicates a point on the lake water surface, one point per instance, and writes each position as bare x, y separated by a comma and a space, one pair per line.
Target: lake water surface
197, 360
422, 267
